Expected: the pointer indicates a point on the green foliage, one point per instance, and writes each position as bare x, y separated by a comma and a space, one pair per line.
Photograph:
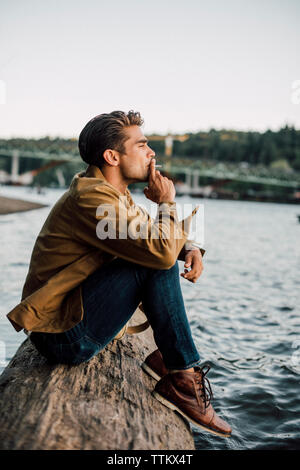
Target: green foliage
269, 152
236, 146
281, 165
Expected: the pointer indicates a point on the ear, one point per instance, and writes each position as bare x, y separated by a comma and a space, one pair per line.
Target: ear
111, 157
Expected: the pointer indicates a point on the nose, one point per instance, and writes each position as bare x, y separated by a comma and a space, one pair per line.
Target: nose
151, 153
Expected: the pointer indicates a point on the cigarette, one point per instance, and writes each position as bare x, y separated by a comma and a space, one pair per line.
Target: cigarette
158, 166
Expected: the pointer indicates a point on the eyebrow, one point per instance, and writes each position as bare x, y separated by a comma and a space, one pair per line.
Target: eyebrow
141, 141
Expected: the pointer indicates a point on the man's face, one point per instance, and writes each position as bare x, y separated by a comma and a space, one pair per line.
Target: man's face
134, 163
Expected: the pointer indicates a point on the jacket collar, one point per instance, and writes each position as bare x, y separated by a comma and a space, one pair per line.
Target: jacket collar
93, 171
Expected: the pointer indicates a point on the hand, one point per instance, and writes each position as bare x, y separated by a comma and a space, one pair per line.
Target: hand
160, 188
193, 260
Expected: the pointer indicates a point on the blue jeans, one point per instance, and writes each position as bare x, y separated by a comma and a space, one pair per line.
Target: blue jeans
110, 296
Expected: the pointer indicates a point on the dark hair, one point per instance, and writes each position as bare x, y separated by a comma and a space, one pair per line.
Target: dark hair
106, 131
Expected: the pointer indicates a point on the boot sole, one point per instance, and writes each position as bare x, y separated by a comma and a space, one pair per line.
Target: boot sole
173, 407
150, 371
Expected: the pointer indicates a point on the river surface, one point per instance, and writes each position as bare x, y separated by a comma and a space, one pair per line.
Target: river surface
243, 311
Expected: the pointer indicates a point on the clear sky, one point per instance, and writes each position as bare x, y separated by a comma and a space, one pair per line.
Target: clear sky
186, 65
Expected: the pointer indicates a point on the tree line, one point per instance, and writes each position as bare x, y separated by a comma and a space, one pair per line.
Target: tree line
270, 149
252, 147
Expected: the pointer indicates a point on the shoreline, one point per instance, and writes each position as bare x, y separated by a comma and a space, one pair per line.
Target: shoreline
10, 205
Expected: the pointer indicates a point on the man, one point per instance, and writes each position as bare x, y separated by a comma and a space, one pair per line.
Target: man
99, 255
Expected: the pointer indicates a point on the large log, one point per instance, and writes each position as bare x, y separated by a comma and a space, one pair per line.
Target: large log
105, 403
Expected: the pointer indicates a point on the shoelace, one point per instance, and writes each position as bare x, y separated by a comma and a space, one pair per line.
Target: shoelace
204, 385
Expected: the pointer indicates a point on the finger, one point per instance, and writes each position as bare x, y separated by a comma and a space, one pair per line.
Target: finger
184, 272
195, 262
196, 268
190, 280
187, 274
147, 192
188, 260
152, 169
194, 273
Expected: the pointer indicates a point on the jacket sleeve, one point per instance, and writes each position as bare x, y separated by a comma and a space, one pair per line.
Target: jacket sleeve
105, 220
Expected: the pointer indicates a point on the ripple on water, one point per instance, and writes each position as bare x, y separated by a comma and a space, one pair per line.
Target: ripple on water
285, 308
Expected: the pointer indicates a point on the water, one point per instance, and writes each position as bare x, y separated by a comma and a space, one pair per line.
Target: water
244, 312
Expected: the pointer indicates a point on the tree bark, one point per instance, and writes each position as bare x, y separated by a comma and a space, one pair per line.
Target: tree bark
105, 403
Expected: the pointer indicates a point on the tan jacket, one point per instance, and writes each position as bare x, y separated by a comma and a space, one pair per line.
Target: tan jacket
68, 249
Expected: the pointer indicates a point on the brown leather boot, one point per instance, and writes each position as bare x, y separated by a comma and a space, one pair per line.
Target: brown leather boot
154, 365
190, 394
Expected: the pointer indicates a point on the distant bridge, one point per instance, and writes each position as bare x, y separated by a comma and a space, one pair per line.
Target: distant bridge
221, 177
26, 178
191, 175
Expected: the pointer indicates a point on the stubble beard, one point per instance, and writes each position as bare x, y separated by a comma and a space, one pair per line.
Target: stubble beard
142, 179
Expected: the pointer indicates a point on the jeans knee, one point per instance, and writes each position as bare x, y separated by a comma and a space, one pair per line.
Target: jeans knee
170, 274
